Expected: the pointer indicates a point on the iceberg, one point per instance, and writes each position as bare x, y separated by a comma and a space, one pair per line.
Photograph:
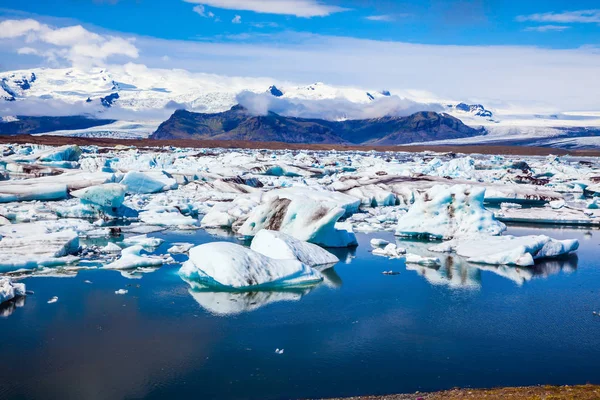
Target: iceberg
132, 258
390, 250
110, 195
10, 290
229, 266
24, 191
420, 260
445, 212
47, 250
148, 182
512, 250
166, 216
280, 246
303, 218
143, 240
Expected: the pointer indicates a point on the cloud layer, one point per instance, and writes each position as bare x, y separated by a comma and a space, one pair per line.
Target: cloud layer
299, 8
332, 109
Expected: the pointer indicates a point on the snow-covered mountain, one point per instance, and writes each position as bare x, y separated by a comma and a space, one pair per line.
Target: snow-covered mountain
140, 98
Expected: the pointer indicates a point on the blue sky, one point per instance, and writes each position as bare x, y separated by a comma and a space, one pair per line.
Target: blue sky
461, 22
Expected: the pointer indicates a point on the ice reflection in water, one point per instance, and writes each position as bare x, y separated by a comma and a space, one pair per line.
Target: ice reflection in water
237, 302
9, 307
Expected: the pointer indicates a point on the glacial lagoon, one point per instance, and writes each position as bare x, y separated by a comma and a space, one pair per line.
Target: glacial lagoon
357, 332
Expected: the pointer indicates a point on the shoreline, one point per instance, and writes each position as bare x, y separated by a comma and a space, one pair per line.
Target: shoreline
579, 392
239, 144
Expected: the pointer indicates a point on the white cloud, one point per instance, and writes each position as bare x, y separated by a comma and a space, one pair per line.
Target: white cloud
384, 18
547, 28
201, 11
75, 44
567, 17
332, 109
237, 19
15, 28
299, 8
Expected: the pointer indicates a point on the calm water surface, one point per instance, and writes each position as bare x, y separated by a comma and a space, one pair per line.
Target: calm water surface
360, 332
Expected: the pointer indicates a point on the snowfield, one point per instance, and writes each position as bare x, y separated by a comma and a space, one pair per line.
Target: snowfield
68, 208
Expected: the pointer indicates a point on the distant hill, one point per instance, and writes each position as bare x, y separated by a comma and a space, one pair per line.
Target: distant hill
31, 125
238, 124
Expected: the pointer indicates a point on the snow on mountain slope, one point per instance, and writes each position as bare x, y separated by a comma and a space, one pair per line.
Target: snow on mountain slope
140, 98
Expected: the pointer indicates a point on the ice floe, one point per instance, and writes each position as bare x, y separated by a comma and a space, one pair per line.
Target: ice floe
447, 212
9, 289
229, 266
280, 246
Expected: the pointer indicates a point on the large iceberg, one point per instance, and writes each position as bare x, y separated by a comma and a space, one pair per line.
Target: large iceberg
446, 212
110, 195
229, 266
280, 246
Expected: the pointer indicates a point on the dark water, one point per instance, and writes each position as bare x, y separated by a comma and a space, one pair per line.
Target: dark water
359, 333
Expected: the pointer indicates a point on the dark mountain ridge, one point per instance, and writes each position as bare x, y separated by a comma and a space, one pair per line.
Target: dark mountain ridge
238, 124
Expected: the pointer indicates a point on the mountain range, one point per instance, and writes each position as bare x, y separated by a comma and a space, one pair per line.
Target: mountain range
239, 124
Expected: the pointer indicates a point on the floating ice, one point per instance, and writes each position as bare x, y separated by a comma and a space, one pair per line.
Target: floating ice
180, 248
280, 246
390, 250
303, 218
166, 216
50, 249
513, 250
132, 257
420, 260
9, 289
121, 291
446, 212
148, 182
111, 195
375, 242
229, 266
53, 300
143, 240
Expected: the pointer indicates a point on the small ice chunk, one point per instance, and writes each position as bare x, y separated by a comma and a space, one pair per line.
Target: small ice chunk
143, 240
426, 261
180, 248
278, 351
557, 204
224, 265
121, 291
375, 242
111, 248
131, 258
53, 300
391, 250
280, 246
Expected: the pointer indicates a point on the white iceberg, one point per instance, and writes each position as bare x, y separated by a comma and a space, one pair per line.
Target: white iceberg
280, 246
180, 248
420, 260
143, 240
148, 182
9, 289
166, 216
50, 249
376, 242
513, 250
445, 212
111, 195
132, 258
390, 250
229, 266
303, 218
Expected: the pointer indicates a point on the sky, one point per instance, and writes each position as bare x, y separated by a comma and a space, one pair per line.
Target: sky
543, 52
